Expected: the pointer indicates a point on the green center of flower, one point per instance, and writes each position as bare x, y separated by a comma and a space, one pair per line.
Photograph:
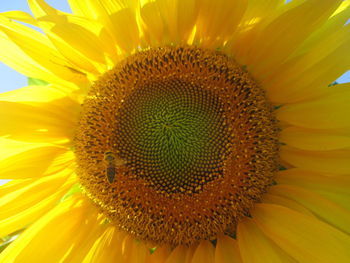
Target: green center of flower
176, 144
173, 134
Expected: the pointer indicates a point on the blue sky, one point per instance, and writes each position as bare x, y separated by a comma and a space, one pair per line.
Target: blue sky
10, 79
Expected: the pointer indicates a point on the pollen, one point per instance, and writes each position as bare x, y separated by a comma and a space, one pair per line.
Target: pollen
193, 140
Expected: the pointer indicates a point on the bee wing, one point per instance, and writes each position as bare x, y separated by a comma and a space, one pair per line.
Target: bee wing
120, 162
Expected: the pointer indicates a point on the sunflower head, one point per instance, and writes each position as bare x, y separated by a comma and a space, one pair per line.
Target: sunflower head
194, 143
177, 131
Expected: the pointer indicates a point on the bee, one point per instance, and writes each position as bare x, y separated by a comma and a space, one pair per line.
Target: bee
112, 164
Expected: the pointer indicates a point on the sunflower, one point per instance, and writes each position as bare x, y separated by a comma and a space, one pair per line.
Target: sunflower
176, 131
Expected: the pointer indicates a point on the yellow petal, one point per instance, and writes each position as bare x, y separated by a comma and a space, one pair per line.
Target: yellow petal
126, 37
152, 22
190, 253
314, 180
308, 75
22, 213
160, 255
39, 122
204, 253
76, 38
336, 161
331, 111
12, 147
112, 6
14, 185
37, 46
320, 206
284, 34
314, 140
69, 227
177, 255
84, 9
181, 254
133, 250
255, 247
271, 198
334, 24
218, 20
305, 238
341, 200
344, 6
227, 250
98, 9
333, 187
251, 24
30, 53
82, 245
257, 8
36, 162
114, 15
178, 17
107, 248
28, 196
20, 16
34, 94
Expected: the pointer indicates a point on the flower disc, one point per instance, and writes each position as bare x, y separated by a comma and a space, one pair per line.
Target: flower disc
176, 144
